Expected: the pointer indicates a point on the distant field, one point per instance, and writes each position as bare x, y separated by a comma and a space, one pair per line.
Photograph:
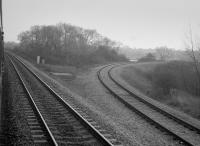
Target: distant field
139, 76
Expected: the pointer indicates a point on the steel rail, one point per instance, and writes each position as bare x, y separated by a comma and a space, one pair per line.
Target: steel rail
164, 112
182, 140
44, 124
90, 127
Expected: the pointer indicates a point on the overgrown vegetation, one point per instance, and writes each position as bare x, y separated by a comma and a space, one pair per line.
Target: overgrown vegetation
148, 58
174, 83
176, 75
66, 44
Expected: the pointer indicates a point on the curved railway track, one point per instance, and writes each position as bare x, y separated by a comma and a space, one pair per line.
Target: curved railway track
52, 120
182, 131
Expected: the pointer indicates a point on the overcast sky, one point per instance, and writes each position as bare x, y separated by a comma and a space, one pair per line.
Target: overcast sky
137, 23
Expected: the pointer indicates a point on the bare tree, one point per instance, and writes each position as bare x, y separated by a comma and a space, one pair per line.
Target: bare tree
164, 53
193, 50
67, 43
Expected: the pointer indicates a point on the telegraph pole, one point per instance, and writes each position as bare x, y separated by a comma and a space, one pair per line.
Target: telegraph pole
1, 40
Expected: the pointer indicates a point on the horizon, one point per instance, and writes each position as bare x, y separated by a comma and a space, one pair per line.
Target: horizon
137, 24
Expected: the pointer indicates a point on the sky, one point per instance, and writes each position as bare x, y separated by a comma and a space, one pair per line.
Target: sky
136, 23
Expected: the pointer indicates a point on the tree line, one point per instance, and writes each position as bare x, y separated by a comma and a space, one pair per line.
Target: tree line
67, 44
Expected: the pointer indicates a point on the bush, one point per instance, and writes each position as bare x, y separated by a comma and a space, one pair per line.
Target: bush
148, 58
177, 74
164, 78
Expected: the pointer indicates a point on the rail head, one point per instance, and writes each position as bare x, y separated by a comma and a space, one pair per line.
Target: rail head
90, 127
151, 104
34, 105
136, 110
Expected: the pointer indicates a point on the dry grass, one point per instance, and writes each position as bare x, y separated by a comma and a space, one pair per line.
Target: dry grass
138, 77
65, 68
58, 68
146, 67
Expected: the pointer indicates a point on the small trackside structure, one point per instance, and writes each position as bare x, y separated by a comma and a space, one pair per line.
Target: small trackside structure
40, 60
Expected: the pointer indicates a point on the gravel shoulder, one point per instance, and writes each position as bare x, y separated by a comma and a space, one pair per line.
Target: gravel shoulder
126, 126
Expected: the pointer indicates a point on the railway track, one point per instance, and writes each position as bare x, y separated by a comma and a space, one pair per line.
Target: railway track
41, 135
182, 132
51, 119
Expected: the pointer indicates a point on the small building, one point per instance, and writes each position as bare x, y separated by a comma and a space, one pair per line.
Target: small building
148, 58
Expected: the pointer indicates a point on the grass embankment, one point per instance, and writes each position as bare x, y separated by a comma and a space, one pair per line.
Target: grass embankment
167, 83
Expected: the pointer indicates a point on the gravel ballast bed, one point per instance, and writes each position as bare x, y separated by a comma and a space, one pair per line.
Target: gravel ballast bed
129, 128
176, 127
16, 130
58, 121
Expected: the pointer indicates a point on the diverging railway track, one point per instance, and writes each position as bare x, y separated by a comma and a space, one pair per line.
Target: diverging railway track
53, 121
180, 130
